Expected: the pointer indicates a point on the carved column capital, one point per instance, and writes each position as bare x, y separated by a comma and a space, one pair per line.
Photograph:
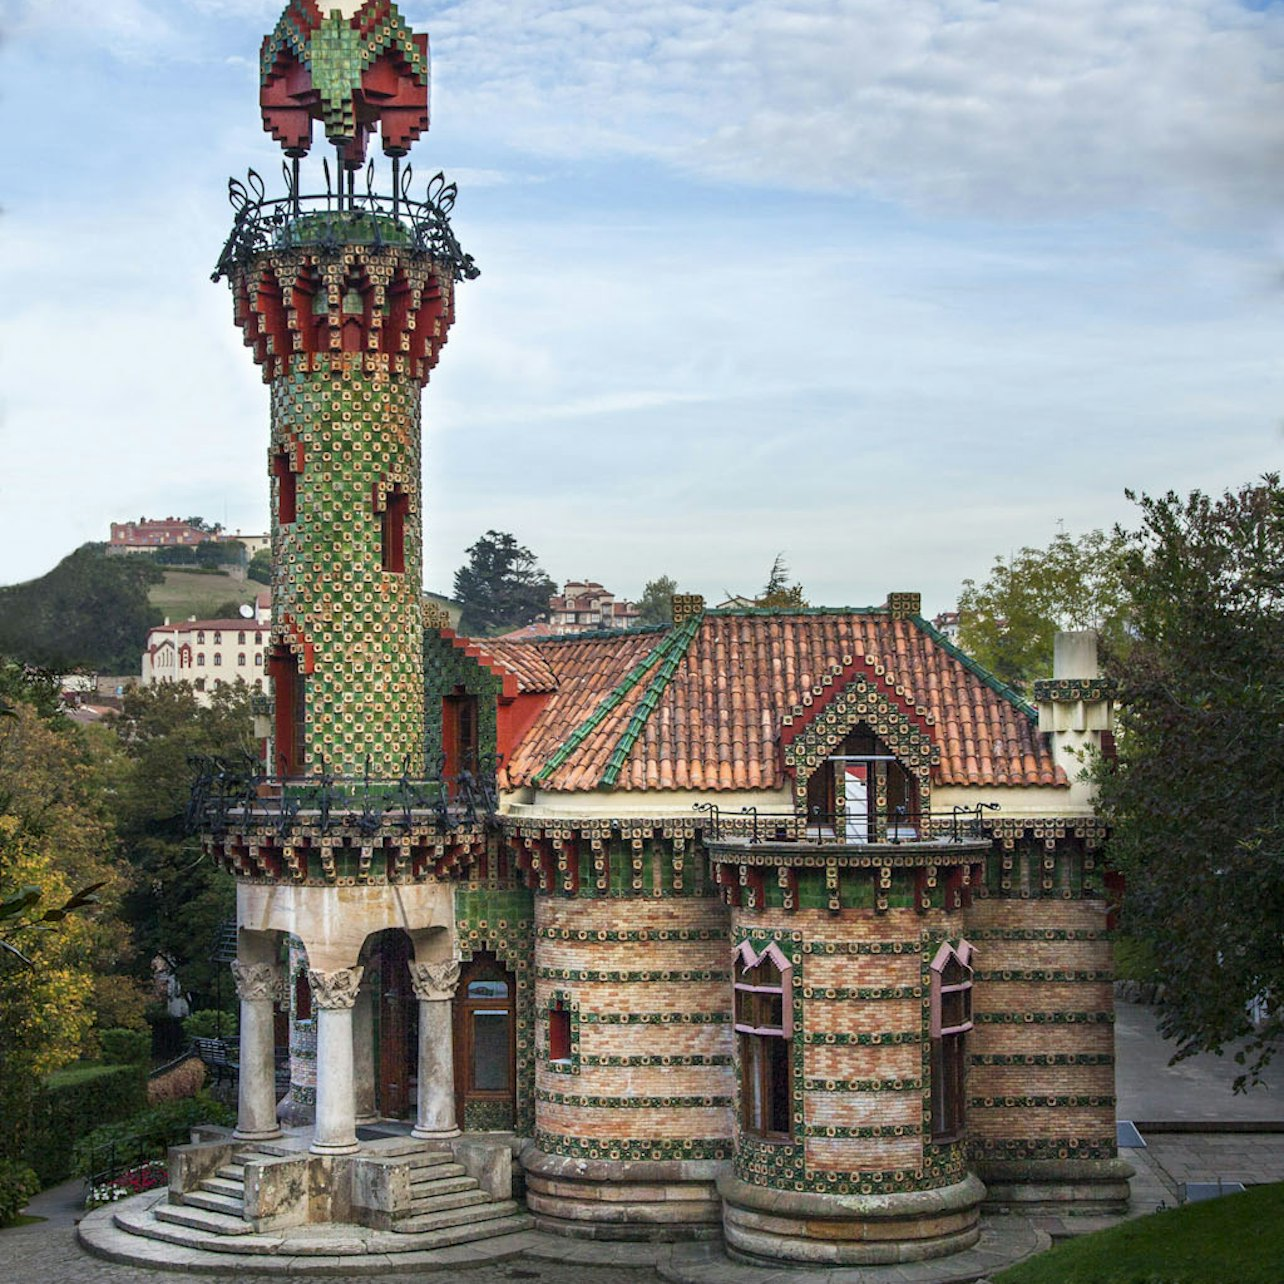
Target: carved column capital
258, 982
335, 989
434, 982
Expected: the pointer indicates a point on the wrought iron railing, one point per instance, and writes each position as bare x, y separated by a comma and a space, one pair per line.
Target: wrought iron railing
240, 794
341, 214
894, 826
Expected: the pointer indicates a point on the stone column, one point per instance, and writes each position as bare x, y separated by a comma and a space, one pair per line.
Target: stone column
258, 986
333, 997
363, 1057
434, 985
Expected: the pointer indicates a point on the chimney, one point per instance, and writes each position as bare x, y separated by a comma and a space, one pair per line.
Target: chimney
1076, 704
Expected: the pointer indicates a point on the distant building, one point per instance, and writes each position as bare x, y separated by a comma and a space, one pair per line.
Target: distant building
947, 622
584, 606
150, 533
206, 652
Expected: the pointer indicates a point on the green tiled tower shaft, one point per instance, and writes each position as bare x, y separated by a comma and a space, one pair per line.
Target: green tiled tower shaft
346, 339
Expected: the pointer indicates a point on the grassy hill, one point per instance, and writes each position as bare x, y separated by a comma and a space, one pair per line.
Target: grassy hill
183, 594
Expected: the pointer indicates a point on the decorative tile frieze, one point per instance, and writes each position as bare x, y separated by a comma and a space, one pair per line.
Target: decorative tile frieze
688, 1148
1049, 1103
1044, 1018
632, 1103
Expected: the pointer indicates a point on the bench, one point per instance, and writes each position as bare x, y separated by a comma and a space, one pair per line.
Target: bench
220, 1055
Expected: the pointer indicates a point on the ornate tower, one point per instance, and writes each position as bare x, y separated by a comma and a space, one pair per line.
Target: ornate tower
345, 297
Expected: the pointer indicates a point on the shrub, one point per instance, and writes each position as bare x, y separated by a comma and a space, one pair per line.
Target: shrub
123, 1047
72, 1102
148, 1135
17, 1185
210, 1023
185, 1080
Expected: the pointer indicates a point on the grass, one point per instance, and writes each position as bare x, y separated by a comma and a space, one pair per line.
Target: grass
1237, 1239
81, 1073
187, 593
22, 1219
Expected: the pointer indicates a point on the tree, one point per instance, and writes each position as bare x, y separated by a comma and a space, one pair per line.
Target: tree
778, 592
501, 586
1008, 623
656, 603
179, 900
1194, 800
260, 567
91, 610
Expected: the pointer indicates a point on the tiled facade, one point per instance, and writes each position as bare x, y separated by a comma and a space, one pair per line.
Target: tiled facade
780, 925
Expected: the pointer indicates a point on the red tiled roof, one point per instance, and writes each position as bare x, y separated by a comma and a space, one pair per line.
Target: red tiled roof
703, 708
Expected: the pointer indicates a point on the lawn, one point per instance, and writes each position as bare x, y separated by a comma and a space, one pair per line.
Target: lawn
186, 593
1237, 1239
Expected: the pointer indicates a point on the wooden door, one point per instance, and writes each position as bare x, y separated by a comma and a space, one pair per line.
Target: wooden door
485, 1046
396, 1026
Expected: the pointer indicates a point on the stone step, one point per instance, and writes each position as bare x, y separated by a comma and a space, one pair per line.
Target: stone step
431, 1189
440, 1203
233, 1172
450, 1236
233, 1188
233, 1207
201, 1219
475, 1215
422, 1159
438, 1172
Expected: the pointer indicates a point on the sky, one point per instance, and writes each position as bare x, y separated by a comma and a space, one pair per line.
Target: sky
891, 287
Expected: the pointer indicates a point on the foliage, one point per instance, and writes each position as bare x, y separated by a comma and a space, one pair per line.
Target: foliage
210, 1023
91, 610
778, 592
656, 604
1194, 800
200, 524
73, 1101
122, 1047
1135, 960
501, 586
1237, 1237
184, 1080
1008, 623
179, 900
17, 1185
260, 567
149, 1134
27, 684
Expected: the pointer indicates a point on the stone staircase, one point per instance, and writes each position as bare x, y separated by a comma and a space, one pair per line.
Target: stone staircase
446, 1201
446, 1207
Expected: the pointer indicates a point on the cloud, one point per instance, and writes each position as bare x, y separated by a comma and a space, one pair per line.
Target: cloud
1032, 109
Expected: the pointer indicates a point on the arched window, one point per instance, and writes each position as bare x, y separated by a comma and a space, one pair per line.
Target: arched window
951, 983
218, 659
764, 1030
200, 658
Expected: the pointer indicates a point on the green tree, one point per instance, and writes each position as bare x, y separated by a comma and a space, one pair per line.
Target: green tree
91, 610
1194, 799
1008, 623
656, 603
778, 592
260, 567
179, 900
501, 586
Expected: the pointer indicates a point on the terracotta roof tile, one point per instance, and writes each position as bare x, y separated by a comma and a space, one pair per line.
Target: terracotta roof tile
702, 707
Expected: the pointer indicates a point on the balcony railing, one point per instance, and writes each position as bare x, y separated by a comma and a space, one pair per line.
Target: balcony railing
241, 795
894, 826
341, 215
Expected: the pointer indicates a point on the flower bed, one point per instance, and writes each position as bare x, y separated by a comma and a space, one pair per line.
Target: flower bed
133, 1182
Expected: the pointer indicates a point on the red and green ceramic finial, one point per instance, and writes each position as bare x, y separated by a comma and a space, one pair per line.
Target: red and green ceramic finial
350, 64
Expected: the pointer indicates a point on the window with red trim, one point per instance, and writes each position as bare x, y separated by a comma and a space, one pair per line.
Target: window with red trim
951, 1002
559, 1032
764, 1029
396, 507
286, 488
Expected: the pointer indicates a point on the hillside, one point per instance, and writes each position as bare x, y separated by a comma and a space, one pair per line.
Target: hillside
187, 593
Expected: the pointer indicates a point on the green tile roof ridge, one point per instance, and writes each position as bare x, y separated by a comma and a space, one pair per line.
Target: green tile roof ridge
975, 668
594, 635
677, 646
612, 700
795, 610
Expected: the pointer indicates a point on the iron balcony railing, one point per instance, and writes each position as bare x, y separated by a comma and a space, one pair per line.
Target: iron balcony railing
240, 794
341, 215
894, 826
